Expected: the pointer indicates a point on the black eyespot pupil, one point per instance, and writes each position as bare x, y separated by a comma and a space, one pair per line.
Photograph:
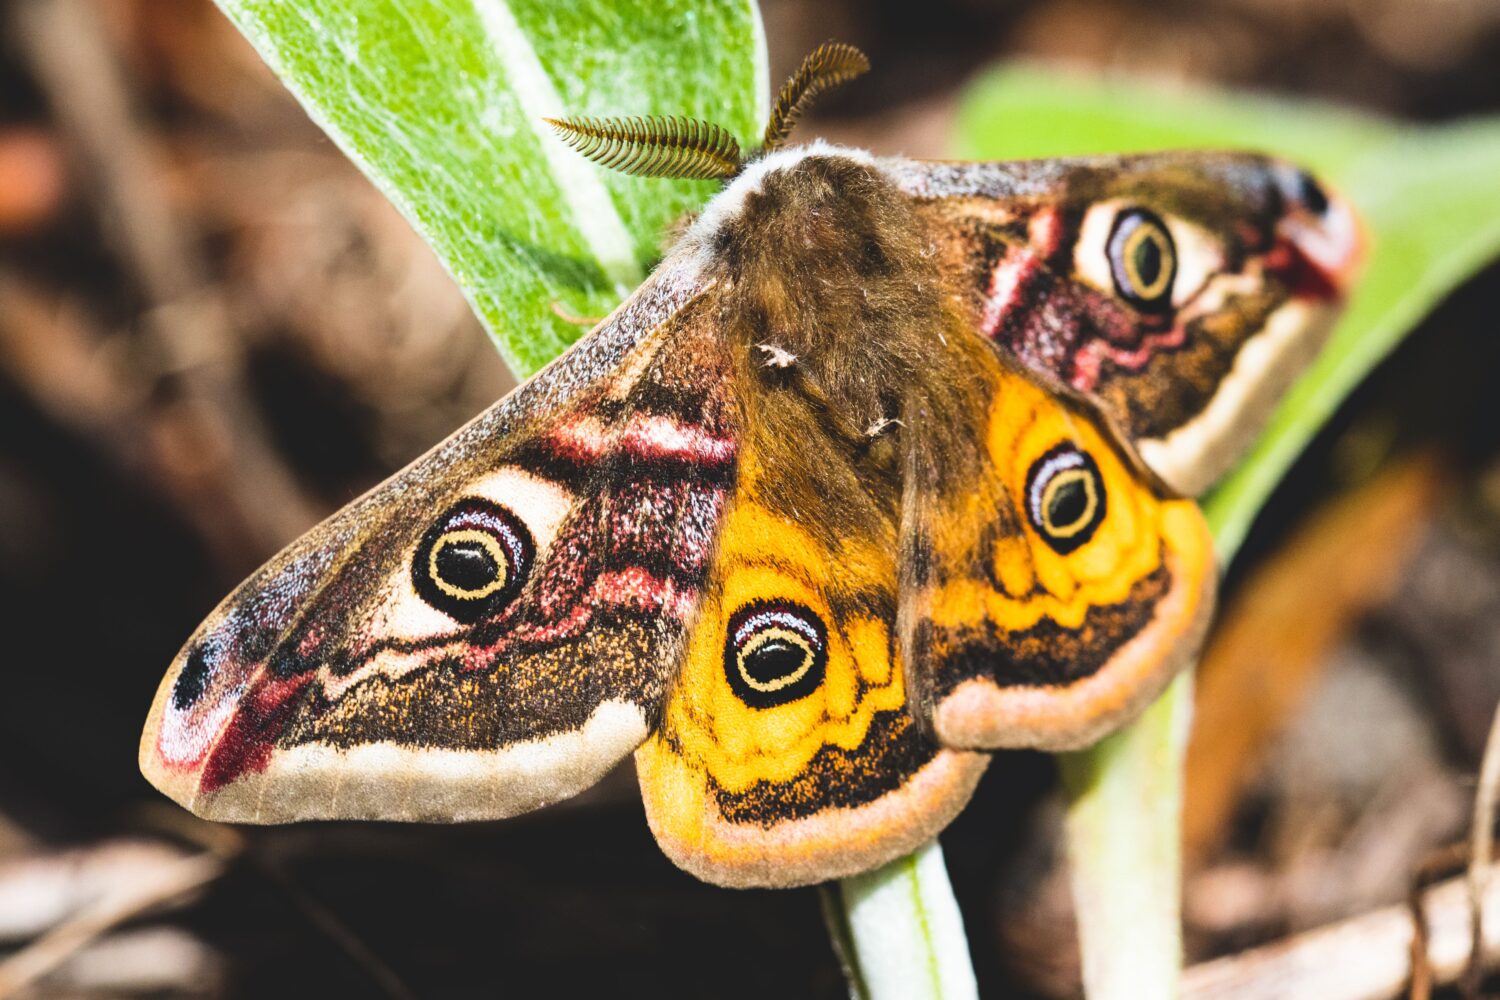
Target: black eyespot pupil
1070, 502
1148, 261
466, 565
773, 660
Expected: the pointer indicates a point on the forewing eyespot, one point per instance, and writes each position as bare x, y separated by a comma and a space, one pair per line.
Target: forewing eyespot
1065, 498
1142, 260
774, 653
473, 560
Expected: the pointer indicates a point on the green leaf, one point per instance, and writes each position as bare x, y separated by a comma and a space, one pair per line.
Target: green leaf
440, 103
1430, 200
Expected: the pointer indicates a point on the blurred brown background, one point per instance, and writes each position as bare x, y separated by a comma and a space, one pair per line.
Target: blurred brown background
213, 332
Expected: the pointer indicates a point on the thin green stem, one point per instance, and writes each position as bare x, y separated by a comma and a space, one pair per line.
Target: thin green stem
901, 933
1124, 831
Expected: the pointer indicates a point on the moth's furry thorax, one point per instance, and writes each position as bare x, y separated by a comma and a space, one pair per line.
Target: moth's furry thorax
826, 272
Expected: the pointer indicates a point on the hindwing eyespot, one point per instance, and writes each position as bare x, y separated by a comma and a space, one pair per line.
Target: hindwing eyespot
774, 653
473, 560
1065, 498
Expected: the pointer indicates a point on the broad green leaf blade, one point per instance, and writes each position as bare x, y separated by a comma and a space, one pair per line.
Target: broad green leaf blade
440, 103
1430, 199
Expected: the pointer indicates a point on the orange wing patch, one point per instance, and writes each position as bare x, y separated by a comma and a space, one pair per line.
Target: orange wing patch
786, 754
1062, 593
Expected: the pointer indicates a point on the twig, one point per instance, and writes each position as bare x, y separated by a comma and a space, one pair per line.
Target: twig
1431, 871
836, 919
40, 889
148, 961
57, 945
1364, 958
1421, 941
1481, 848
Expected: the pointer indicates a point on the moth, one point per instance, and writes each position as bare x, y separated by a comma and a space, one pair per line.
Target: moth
888, 465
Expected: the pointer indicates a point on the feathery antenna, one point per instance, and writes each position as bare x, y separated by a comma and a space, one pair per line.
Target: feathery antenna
829, 65
654, 147
687, 147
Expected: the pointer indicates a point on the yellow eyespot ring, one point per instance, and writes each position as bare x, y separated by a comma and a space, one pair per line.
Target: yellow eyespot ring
758, 644
473, 560
491, 546
1065, 497
1055, 498
1142, 259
